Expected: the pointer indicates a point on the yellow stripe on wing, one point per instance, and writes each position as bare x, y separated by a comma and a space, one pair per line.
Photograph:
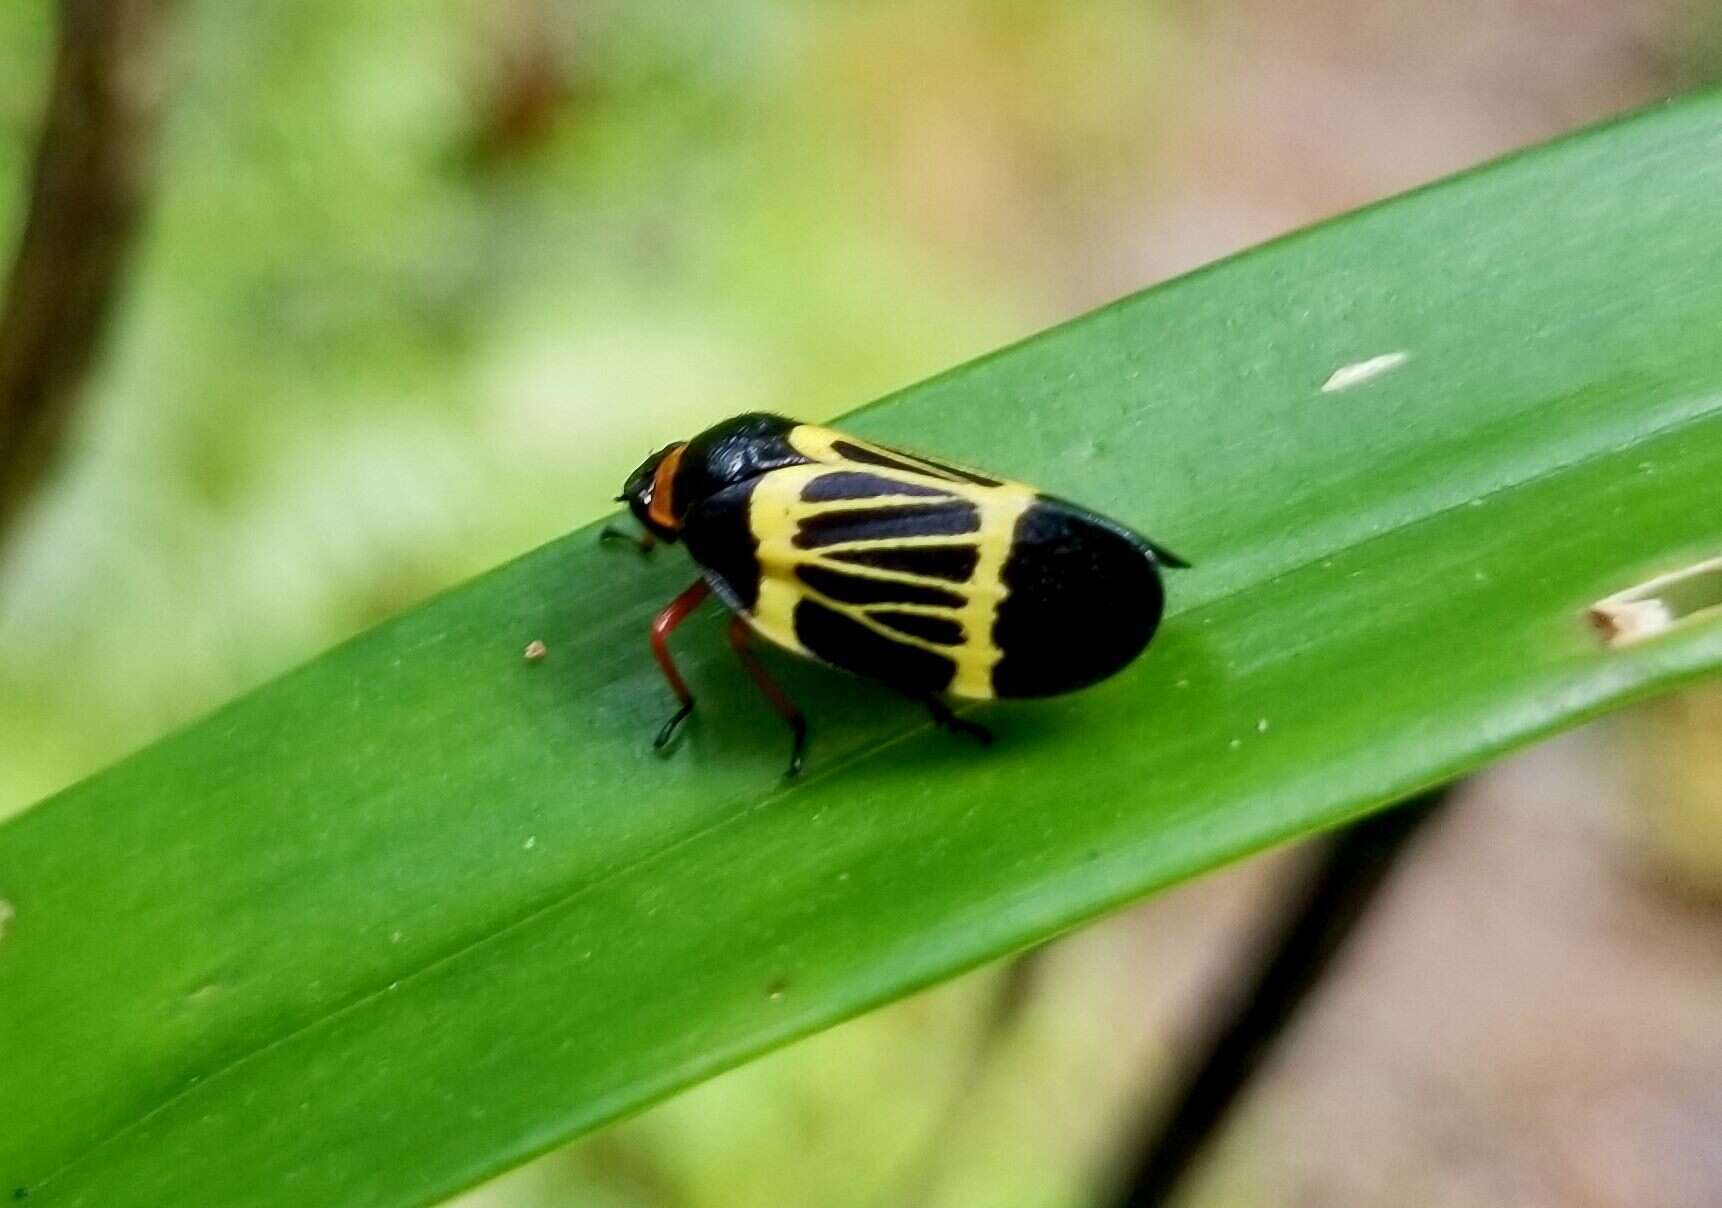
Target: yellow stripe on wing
776, 510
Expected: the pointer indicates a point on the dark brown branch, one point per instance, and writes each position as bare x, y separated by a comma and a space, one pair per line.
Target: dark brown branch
91, 175
1325, 910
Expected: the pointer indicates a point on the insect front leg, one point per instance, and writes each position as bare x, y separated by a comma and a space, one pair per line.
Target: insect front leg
738, 638
663, 625
645, 542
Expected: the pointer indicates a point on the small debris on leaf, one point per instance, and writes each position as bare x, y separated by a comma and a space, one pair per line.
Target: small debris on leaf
534, 651
1658, 605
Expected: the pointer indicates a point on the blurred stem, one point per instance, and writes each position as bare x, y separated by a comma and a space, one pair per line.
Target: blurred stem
91, 176
1320, 914
1016, 988
525, 83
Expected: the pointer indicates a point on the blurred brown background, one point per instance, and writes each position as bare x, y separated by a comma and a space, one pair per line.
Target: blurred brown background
412, 286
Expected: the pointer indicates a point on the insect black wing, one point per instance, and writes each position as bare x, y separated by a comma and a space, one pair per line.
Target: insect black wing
930, 577
1082, 598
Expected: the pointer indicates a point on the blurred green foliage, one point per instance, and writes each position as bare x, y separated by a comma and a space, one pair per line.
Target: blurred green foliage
422, 282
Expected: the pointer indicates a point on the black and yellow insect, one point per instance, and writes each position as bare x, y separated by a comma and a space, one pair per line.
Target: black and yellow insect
938, 581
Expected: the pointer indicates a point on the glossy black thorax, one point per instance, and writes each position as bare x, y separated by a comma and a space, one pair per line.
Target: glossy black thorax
725, 454
734, 451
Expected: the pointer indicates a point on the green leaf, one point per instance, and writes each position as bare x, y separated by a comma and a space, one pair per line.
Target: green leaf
424, 908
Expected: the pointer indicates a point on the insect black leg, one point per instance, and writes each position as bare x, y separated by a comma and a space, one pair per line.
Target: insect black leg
946, 720
644, 543
662, 626
738, 635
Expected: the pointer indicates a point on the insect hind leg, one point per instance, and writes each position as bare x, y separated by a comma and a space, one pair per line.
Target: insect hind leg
945, 719
780, 702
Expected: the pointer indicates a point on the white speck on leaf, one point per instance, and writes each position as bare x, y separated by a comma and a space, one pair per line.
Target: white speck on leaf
534, 651
1236, 743
1347, 376
1262, 726
7, 914
531, 842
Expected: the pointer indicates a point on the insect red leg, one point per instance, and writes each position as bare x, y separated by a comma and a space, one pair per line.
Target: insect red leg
738, 639
663, 625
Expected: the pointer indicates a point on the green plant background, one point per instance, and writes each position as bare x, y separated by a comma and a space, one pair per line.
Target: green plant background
361, 359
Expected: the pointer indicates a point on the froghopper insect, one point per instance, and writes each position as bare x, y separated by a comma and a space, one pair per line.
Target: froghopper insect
937, 580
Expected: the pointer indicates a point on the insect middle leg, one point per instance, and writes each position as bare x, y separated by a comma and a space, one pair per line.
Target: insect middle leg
947, 720
662, 626
738, 639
